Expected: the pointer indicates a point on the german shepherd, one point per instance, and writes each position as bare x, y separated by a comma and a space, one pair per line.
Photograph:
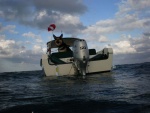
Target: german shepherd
62, 47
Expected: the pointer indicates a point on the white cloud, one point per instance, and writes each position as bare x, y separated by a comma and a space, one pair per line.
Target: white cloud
123, 47
2, 37
127, 44
133, 5
28, 42
69, 23
102, 38
39, 40
125, 23
8, 48
36, 38
37, 48
16, 51
131, 49
31, 35
40, 14
44, 49
132, 15
142, 45
69, 19
8, 28
7, 43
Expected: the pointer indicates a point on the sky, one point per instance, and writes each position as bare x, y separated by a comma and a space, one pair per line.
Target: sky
123, 25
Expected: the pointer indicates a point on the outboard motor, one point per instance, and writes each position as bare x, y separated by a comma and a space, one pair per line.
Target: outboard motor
81, 55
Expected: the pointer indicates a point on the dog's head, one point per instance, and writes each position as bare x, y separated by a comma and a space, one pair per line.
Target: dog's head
58, 40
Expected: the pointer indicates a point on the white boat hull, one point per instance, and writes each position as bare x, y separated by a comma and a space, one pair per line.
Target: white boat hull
93, 66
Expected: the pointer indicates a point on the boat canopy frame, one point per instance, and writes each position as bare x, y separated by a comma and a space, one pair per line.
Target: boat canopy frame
69, 41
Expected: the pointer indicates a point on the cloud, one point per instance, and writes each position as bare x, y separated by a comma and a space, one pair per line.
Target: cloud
37, 48
14, 51
65, 6
132, 15
123, 47
130, 45
69, 23
6, 47
140, 6
103, 38
17, 52
8, 28
37, 38
40, 14
126, 23
142, 45
2, 37
147, 34
132, 50
31, 35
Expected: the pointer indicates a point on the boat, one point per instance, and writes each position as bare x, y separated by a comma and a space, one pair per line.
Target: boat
79, 61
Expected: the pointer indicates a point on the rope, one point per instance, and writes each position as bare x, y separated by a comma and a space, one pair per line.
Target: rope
70, 69
76, 70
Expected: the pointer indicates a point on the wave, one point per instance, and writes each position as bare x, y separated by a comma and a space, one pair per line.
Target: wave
80, 106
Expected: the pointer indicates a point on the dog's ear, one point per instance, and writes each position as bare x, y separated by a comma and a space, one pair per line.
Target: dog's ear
61, 36
54, 36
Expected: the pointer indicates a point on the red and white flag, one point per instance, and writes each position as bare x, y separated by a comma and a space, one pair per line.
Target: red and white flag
51, 27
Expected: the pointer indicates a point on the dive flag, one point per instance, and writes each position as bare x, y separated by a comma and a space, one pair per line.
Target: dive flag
51, 27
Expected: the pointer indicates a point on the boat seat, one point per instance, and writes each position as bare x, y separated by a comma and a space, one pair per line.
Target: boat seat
92, 51
63, 54
70, 54
99, 57
56, 60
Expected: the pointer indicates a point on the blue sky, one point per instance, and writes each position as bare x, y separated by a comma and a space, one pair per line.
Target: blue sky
123, 25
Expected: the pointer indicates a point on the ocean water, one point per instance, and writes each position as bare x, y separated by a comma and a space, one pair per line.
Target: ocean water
126, 89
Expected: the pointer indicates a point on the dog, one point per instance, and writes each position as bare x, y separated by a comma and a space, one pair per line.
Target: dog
62, 47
